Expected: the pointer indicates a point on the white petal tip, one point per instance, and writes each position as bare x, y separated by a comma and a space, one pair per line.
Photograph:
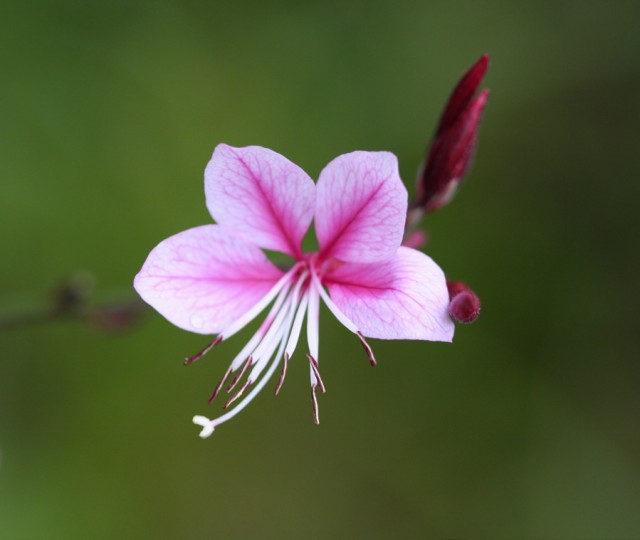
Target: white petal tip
207, 426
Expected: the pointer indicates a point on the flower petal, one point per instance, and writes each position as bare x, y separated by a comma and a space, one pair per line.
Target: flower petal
361, 207
262, 194
204, 278
403, 298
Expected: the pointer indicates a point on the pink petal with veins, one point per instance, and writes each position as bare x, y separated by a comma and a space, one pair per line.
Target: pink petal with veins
262, 194
204, 278
361, 207
403, 298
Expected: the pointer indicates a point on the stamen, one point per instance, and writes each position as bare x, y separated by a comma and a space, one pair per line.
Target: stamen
240, 358
313, 321
266, 352
269, 342
282, 373
343, 319
316, 372
314, 404
252, 313
268, 321
217, 389
237, 394
208, 425
255, 340
280, 329
197, 356
261, 347
297, 326
239, 375
367, 348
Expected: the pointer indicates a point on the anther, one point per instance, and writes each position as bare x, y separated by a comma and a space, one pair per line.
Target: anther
367, 349
285, 364
237, 394
197, 356
239, 375
219, 386
314, 404
316, 372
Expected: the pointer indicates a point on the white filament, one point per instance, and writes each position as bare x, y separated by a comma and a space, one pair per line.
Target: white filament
280, 329
344, 320
297, 326
313, 327
240, 323
209, 425
262, 345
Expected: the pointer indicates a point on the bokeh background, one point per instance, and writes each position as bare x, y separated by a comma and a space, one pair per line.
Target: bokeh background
526, 427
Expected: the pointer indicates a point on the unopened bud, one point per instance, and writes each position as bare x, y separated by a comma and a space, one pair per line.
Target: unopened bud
453, 145
464, 304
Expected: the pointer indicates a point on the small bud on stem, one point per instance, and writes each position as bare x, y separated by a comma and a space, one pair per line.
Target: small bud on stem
464, 305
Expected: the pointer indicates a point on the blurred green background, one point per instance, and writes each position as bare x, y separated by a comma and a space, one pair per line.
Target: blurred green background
526, 427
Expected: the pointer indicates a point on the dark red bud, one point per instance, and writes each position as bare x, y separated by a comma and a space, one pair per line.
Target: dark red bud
453, 145
464, 304
463, 93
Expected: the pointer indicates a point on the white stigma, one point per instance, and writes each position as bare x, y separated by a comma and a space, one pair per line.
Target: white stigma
207, 426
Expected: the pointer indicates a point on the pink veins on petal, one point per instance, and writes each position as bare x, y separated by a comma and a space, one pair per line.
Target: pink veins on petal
215, 279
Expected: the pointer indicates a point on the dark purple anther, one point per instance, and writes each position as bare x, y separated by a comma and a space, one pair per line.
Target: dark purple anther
454, 143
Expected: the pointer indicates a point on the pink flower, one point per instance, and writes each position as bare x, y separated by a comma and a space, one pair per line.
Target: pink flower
215, 279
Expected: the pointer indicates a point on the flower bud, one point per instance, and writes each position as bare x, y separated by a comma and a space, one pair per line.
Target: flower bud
453, 145
464, 305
